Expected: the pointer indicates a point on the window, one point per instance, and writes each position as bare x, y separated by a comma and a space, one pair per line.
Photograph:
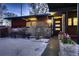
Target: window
28, 24
75, 20
33, 23
69, 21
57, 28
57, 25
57, 21
57, 17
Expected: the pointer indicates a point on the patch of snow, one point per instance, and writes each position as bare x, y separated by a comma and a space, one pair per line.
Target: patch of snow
40, 40
21, 47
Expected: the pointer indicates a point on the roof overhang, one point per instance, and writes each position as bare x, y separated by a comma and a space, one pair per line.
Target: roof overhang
20, 17
62, 6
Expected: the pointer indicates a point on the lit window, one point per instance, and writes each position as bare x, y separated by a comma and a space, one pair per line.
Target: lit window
28, 24
57, 29
57, 21
52, 13
57, 25
69, 21
33, 23
75, 20
49, 21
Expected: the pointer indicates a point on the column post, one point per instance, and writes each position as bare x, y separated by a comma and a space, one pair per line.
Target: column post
63, 22
78, 23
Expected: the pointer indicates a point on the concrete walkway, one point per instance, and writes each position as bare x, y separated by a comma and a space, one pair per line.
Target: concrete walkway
52, 48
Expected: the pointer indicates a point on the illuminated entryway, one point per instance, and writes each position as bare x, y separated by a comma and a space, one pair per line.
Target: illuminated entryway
66, 22
57, 25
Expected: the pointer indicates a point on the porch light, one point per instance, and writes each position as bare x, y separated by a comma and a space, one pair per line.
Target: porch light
49, 21
32, 18
52, 13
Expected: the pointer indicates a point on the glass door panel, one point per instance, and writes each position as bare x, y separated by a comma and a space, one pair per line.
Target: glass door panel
69, 21
75, 20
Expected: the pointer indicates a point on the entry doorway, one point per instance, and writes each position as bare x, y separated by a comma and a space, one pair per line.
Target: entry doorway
57, 26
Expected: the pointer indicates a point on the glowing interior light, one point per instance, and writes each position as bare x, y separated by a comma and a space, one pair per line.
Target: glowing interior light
57, 29
56, 17
49, 21
32, 18
69, 21
52, 13
75, 21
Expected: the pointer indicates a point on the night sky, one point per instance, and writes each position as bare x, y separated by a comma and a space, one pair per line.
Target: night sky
16, 8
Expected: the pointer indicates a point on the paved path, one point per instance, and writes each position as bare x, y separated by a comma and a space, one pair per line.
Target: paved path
53, 47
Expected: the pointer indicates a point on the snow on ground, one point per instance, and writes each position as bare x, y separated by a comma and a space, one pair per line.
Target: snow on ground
22, 47
40, 40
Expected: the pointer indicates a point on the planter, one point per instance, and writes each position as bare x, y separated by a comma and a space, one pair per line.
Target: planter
68, 49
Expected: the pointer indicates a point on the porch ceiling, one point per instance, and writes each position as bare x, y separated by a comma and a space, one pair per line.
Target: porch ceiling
62, 6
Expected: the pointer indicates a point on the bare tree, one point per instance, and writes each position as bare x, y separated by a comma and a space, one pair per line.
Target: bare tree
3, 8
39, 8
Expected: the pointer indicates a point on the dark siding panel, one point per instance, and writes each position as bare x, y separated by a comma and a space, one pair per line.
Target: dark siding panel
18, 23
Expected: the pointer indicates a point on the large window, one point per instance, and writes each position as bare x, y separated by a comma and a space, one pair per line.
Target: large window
34, 23
28, 24
31, 23
69, 21
16, 9
75, 21
72, 21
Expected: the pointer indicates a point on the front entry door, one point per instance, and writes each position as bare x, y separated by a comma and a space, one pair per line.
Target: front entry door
57, 26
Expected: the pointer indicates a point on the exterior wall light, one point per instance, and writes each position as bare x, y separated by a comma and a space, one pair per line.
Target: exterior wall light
49, 21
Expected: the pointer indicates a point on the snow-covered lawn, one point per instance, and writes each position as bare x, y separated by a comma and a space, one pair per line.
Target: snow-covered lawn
22, 47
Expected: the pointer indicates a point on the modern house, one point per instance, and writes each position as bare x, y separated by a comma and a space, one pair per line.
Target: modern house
61, 18
65, 18
34, 24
